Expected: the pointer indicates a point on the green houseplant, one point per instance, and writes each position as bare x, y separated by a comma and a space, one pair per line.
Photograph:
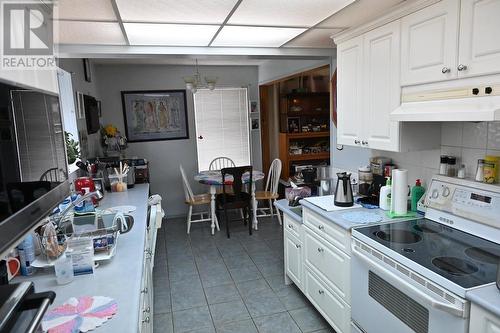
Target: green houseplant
72, 150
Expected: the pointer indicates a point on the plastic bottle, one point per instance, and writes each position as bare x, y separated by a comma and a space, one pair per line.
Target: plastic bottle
27, 255
385, 195
417, 192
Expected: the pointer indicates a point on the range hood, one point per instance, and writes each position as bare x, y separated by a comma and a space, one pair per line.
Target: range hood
451, 106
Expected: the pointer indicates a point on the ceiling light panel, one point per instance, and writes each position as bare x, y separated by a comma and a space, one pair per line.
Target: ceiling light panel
77, 32
98, 10
170, 34
175, 11
315, 38
255, 36
289, 13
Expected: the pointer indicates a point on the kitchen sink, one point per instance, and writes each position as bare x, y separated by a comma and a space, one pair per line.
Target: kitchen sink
297, 210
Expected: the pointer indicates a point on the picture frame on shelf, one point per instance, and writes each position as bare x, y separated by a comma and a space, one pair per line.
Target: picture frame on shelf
155, 115
293, 124
255, 124
254, 107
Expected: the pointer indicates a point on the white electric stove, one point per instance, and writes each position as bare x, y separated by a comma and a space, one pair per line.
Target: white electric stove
413, 276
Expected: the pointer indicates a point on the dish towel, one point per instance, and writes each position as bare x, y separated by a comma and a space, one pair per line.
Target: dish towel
79, 314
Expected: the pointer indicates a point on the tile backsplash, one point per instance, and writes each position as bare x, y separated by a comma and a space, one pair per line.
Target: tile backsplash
466, 140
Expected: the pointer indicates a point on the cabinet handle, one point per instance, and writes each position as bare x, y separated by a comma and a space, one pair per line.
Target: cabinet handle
356, 142
290, 226
364, 143
146, 320
297, 246
445, 70
321, 292
145, 290
320, 249
320, 227
462, 67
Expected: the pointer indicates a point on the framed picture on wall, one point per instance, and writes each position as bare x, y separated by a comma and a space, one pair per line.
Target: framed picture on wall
255, 124
254, 107
155, 115
80, 106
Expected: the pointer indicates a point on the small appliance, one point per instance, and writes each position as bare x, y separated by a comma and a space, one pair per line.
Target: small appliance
343, 191
84, 185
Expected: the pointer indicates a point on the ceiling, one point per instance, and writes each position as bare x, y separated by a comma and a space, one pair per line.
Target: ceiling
210, 23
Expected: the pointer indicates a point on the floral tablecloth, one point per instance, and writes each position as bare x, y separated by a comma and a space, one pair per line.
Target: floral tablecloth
214, 177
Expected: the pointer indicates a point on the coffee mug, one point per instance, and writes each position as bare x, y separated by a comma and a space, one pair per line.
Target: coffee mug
13, 267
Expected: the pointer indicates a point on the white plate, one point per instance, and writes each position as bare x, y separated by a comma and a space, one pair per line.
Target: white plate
123, 209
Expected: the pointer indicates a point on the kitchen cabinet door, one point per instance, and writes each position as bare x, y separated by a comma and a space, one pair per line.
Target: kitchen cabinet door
483, 321
382, 89
349, 78
429, 41
293, 259
479, 40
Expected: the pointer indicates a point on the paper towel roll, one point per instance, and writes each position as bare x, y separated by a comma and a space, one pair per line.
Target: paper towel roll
399, 193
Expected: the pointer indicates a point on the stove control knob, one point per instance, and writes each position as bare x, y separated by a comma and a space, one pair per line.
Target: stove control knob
435, 194
446, 191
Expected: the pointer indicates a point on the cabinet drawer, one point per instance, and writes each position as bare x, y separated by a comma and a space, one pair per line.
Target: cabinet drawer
333, 309
292, 226
331, 264
334, 234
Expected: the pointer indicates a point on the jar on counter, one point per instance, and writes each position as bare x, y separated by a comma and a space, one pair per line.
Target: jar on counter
365, 180
443, 165
480, 171
452, 166
491, 164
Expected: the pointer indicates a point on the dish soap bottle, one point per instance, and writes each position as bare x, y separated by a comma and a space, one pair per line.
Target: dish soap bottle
385, 195
417, 192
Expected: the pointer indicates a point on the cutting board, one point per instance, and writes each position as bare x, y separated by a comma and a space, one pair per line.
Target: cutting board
327, 203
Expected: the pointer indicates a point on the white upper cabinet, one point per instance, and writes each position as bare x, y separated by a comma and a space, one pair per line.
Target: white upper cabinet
479, 40
382, 90
430, 43
350, 78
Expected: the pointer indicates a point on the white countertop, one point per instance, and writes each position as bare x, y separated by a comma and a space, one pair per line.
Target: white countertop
119, 278
487, 297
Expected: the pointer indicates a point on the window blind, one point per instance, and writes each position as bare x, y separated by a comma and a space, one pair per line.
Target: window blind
222, 127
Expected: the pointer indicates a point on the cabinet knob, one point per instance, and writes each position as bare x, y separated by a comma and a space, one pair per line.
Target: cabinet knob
144, 291
356, 142
321, 292
297, 246
290, 226
364, 143
461, 68
148, 309
145, 320
321, 227
320, 249
445, 70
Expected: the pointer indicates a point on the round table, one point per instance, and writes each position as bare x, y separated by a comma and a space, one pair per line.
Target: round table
213, 178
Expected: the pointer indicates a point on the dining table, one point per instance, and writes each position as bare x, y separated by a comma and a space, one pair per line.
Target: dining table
213, 178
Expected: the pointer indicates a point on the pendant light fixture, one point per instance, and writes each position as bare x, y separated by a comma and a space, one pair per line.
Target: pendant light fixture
193, 83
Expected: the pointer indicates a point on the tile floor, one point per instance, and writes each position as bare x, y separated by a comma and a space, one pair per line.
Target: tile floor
205, 283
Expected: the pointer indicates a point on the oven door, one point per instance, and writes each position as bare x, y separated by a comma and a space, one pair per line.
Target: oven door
384, 300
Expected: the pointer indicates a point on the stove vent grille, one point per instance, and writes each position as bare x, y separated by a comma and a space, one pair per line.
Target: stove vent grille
414, 315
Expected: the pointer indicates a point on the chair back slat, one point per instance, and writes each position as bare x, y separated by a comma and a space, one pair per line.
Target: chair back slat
237, 174
187, 188
220, 163
273, 176
51, 175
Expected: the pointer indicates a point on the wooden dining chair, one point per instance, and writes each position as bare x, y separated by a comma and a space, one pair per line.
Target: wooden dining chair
195, 200
52, 175
220, 163
270, 192
238, 198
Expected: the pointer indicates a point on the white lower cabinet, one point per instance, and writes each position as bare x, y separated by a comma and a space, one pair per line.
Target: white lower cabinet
336, 311
483, 321
317, 260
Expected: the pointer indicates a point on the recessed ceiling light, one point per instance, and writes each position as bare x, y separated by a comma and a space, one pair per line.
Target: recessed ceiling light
175, 11
255, 36
290, 13
170, 34
77, 32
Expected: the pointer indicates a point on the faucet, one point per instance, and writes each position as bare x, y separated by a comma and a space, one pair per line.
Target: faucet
96, 194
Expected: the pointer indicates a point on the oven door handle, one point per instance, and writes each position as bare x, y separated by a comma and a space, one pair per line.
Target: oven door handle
408, 287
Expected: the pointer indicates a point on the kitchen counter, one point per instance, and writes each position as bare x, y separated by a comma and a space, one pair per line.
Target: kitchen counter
487, 297
291, 212
118, 278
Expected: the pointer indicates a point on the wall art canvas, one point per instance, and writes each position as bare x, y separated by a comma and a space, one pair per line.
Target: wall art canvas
155, 115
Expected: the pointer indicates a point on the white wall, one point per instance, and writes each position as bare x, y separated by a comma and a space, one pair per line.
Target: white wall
467, 141
75, 67
165, 156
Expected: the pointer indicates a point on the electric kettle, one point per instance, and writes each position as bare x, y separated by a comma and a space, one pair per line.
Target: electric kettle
343, 191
